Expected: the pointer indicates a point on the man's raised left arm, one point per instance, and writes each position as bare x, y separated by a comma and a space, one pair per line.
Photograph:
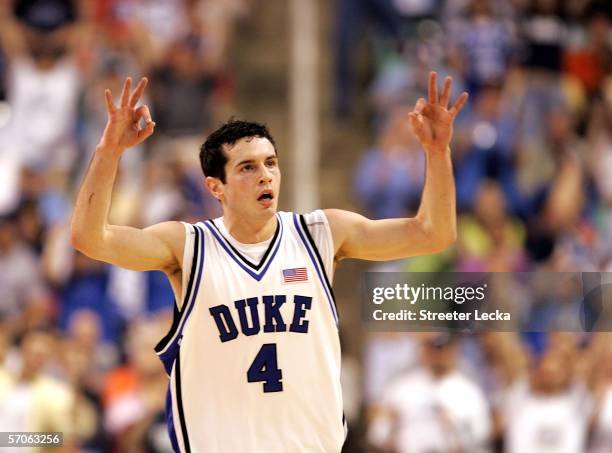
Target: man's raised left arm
434, 227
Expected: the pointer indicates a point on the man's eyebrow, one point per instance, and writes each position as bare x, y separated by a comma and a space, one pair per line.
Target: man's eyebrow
250, 161
247, 161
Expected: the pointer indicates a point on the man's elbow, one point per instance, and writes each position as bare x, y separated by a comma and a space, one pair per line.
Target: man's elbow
449, 239
438, 237
442, 240
83, 242
78, 240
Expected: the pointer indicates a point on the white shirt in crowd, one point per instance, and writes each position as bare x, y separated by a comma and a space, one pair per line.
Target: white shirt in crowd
431, 415
546, 423
602, 436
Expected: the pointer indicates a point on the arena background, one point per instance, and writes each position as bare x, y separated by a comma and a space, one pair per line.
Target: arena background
333, 81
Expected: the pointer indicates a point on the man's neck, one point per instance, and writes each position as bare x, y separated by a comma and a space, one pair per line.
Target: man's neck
250, 231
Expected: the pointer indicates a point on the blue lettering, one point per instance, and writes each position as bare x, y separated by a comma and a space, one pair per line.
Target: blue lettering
227, 329
274, 319
244, 324
301, 305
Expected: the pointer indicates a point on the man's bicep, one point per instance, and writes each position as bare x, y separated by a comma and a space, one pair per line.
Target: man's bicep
157, 247
356, 236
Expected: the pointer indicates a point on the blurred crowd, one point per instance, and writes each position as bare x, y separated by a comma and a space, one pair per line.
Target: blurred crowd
532, 155
77, 336
532, 152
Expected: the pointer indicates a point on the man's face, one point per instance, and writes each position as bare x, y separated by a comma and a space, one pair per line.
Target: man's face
252, 178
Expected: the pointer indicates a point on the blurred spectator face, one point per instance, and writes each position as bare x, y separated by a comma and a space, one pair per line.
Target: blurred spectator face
36, 350
183, 58
480, 8
85, 328
490, 206
567, 290
438, 353
397, 132
142, 338
566, 342
33, 183
575, 8
8, 233
488, 101
560, 125
46, 48
551, 375
76, 360
607, 363
545, 6
4, 343
30, 222
599, 27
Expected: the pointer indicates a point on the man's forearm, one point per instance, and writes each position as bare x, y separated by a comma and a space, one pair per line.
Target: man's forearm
93, 201
438, 202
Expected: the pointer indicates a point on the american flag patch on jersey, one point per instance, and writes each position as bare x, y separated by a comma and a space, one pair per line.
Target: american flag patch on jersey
297, 274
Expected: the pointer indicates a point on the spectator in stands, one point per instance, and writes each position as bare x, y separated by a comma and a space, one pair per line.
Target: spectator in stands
43, 84
435, 407
135, 394
489, 239
482, 45
389, 177
549, 406
602, 432
31, 400
22, 287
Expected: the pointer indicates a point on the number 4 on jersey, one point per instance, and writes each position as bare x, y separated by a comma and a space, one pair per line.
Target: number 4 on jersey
265, 369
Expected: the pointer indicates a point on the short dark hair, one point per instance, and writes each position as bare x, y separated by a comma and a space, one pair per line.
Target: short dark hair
212, 156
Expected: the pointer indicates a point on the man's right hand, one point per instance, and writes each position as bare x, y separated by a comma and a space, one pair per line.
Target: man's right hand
123, 127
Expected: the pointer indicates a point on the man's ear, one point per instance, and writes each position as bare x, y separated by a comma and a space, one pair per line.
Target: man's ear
215, 187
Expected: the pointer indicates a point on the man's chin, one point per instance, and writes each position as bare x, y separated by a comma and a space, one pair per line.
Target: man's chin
267, 211
268, 207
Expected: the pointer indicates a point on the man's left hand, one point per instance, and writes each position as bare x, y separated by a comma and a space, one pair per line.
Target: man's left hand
432, 120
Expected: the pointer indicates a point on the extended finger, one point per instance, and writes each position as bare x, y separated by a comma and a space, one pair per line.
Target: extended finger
125, 94
459, 104
110, 107
138, 91
446, 91
433, 87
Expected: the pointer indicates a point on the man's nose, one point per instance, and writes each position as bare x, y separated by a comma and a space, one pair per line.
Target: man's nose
265, 174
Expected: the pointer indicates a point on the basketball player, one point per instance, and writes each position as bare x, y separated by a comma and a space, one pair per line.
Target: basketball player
253, 355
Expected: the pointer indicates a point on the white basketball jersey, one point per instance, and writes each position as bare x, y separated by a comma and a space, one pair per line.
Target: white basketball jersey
253, 354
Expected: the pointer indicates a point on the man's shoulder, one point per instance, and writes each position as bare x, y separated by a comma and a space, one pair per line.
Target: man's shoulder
173, 234
168, 231
314, 217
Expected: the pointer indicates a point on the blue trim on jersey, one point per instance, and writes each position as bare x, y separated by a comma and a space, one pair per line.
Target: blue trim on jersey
169, 351
255, 267
169, 355
317, 268
170, 421
179, 402
239, 259
178, 313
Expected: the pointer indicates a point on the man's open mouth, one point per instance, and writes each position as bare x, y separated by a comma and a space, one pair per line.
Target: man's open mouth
267, 195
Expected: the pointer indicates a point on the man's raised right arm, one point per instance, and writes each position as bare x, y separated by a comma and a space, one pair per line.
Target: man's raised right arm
158, 247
